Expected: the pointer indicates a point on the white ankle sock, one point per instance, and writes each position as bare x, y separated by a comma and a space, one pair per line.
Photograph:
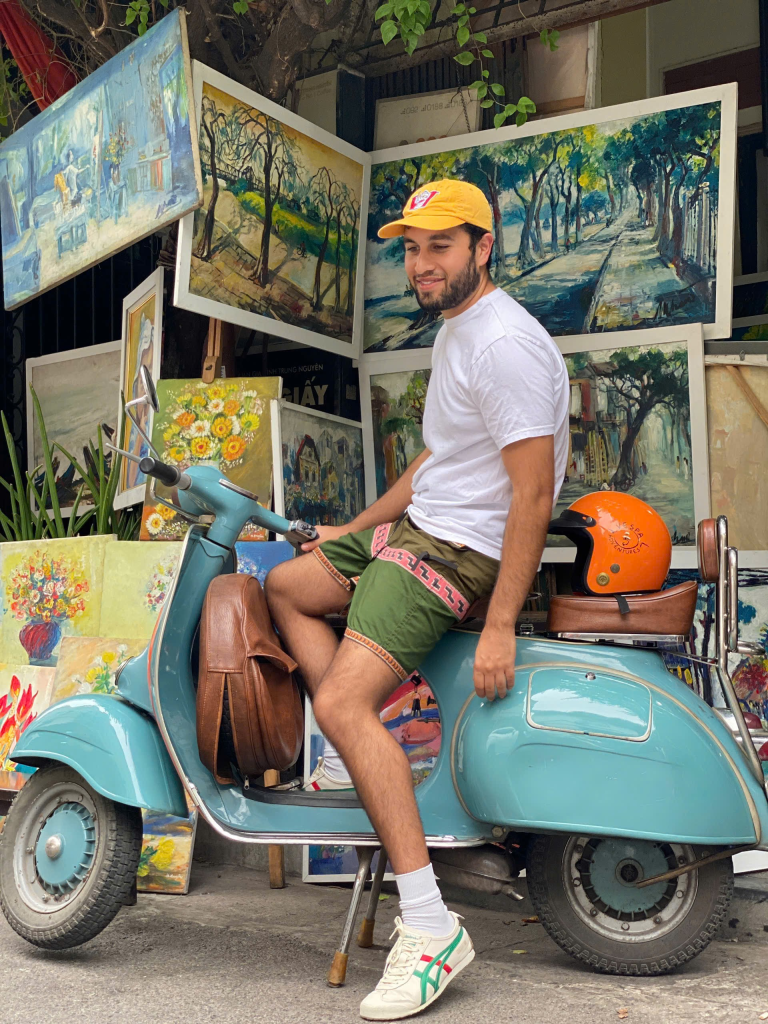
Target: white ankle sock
421, 905
335, 768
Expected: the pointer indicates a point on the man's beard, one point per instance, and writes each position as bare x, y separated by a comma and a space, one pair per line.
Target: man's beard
455, 291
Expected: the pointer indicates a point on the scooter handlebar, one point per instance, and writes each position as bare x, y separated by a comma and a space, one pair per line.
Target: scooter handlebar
170, 476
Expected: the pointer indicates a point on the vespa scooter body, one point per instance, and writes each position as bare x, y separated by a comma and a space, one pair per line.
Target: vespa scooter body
594, 740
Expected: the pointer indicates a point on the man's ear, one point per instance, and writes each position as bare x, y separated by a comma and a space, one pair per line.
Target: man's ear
483, 249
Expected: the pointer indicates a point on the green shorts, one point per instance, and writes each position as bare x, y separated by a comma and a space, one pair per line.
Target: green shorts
407, 588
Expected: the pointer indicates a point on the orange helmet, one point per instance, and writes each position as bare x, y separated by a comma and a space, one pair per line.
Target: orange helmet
623, 545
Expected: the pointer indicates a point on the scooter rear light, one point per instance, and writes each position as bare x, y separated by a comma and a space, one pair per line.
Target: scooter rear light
763, 752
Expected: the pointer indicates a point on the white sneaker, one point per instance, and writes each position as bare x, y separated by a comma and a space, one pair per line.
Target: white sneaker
418, 970
318, 780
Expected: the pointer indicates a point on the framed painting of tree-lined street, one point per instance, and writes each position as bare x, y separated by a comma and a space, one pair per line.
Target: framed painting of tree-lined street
638, 424
393, 390
277, 242
604, 220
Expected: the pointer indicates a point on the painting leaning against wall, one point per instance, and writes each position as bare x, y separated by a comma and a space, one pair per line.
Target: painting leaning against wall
630, 430
275, 246
397, 412
603, 226
321, 463
108, 163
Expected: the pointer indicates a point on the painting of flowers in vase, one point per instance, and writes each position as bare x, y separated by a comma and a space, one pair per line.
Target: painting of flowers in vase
225, 424
25, 691
50, 589
89, 664
138, 579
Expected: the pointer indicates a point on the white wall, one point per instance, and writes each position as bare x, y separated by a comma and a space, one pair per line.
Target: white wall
688, 31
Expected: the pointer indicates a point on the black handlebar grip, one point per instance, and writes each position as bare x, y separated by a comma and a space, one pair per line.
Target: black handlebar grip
168, 475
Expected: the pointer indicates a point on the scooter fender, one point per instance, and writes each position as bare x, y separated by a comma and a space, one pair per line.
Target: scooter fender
115, 747
600, 741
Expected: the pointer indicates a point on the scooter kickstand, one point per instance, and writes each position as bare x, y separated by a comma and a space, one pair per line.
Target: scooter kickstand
338, 971
365, 935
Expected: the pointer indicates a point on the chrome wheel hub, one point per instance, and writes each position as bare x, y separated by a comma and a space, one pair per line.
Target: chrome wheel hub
600, 878
55, 848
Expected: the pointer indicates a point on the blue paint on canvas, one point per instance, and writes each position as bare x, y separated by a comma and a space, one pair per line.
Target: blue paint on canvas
257, 557
106, 164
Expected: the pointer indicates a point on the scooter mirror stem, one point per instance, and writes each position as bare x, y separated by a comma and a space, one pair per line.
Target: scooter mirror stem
129, 414
126, 455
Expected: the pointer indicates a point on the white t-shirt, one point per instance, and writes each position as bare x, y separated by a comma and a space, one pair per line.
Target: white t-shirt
497, 377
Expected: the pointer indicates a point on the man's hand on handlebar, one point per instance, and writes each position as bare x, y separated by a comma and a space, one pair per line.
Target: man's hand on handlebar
325, 533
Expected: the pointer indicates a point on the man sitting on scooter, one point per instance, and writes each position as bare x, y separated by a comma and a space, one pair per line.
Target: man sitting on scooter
467, 519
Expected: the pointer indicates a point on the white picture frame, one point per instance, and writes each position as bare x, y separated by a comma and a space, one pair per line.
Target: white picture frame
726, 95
186, 299
683, 556
110, 399
278, 407
151, 287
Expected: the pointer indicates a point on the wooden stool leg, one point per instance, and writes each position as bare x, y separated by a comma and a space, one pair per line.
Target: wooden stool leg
365, 935
276, 853
338, 971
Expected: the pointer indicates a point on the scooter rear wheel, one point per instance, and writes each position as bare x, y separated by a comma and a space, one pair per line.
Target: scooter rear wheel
68, 859
584, 890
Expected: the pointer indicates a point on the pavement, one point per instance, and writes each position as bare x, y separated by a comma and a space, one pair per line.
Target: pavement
236, 952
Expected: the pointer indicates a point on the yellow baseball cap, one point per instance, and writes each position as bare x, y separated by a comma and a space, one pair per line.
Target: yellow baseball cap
442, 204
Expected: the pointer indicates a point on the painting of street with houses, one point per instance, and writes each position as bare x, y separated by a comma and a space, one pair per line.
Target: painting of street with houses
112, 160
322, 464
278, 232
630, 430
598, 228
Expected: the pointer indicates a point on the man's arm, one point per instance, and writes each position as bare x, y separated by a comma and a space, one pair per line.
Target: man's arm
531, 467
385, 510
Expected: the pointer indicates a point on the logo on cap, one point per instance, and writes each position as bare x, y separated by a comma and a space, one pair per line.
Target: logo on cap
421, 199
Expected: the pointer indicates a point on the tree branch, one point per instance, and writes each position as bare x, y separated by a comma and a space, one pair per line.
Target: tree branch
233, 67
67, 16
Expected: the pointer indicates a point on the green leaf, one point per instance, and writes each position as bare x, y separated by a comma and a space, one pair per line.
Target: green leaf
24, 512
464, 58
499, 119
480, 37
510, 109
472, 10
482, 90
526, 105
463, 21
521, 118
462, 36
388, 32
458, 9
485, 73
142, 27
487, 53
47, 452
497, 90
477, 84
487, 103
130, 16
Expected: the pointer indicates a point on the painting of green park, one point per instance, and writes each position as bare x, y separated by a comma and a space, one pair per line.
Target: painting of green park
598, 228
397, 416
277, 235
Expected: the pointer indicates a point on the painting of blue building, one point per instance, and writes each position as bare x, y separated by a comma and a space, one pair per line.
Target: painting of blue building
111, 161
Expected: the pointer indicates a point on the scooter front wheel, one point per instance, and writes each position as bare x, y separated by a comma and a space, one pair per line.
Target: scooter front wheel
68, 859
585, 892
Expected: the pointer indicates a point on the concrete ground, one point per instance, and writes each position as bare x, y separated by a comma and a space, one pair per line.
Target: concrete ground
235, 952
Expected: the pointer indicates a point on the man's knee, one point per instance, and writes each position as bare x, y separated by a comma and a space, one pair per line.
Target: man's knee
333, 710
277, 583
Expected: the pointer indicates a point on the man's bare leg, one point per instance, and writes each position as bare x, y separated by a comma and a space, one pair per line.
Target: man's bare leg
299, 593
346, 707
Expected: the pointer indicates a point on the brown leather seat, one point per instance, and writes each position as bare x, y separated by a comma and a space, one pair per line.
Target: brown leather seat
663, 613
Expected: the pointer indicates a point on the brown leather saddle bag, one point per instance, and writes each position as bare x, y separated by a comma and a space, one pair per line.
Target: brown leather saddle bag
248, 703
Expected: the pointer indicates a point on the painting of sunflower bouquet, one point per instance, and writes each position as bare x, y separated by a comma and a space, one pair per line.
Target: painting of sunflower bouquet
225, 424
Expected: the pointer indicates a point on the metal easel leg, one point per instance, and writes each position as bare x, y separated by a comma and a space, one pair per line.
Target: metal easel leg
365, 935
338, 971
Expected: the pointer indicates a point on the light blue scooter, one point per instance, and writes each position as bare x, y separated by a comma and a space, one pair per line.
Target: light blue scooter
617, 787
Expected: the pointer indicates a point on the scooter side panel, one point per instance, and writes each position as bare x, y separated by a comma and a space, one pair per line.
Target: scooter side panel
637, 754
115, 747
